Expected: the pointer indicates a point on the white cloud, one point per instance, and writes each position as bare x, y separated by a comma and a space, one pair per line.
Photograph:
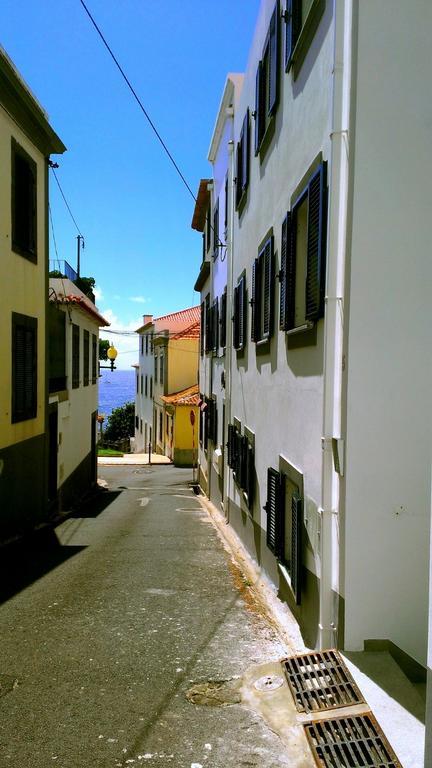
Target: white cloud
98, 293
127, 345
138, 299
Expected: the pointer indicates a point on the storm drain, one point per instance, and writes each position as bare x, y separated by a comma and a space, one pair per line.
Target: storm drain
321, 681
350, 742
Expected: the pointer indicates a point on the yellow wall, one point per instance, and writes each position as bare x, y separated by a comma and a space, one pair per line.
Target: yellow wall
183, 427
182, 364
23, 286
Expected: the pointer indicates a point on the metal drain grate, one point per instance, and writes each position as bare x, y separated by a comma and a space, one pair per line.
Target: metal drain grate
320, 681
350, 742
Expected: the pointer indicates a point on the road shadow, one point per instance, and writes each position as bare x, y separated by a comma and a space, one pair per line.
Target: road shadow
25, 561
95, 504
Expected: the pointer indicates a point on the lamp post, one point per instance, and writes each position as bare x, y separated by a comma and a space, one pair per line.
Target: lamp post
111, 354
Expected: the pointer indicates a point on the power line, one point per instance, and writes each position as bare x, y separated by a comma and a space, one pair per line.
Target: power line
66, 202
144, 111
52, 231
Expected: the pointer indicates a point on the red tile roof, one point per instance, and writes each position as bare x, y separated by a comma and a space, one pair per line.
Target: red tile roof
189, 396
191, 332
84, 304
175, 321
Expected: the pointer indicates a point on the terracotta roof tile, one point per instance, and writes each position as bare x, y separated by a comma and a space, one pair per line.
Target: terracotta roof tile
189, 396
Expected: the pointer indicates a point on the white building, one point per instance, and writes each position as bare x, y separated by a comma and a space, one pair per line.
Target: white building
327, 404
74, 324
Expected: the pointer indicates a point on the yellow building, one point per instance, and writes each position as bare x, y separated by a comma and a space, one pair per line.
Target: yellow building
175, 376
26, 142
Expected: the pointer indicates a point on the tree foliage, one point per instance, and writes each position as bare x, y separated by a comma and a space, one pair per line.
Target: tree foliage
103, 349
121, 423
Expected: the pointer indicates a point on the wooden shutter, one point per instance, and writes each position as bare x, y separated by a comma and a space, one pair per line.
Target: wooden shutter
222, 321
245, 152
273, 95
239, 169
212, 420
75, 356
273, 508
24, 367
296, 544
215, 325
240, 315
255, 303
202, 330
287, 274
201, 421
282, 275
259, 117
293, 23
208, 342
230, 445
216, 230
317, 220
267, 268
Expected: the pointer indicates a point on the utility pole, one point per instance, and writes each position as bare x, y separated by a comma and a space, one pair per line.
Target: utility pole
79, 240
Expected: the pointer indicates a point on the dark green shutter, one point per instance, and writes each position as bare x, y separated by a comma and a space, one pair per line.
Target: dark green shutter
317, 220
287, 274
223, 314
273, 509
282, 276
245, 152
293, 23
24, 367
274, 60
241, 307
215, 325
267, 267
208, 340
255, 309
259, 117
75, 356
296, 544
230, 445
202, 330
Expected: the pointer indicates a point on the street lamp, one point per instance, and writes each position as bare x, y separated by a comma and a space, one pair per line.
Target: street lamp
111, 355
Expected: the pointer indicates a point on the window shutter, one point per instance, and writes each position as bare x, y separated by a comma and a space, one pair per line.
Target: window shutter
239, 169
75, 356
215, 325
202, 328
296, 544
315, 275
240, 314
250, 475
255, 308
235, 318
86, 351
206, 422
201, 422
244, 443
290, 272
245, 152
268, 289
226, 205
208, 342
24, 367
222, 322
293, 23
259, 121
230, 445
274, 60
212, 420
282, 276
216, 230
273, 509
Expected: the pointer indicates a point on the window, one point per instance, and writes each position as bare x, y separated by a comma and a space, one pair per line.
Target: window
137, 423
142, 383
146, 386
151, 386
202, 329
141, 425
94, 358
215, 325
240, 315
267, 81
75, 356
146, 343
86, 351
160, 426
23, 203
303, 242
243, 148
210, 421
142, 345
156, 369
208, 340
57, 349
284, 508
24, 367
137, 382
262, 293
223, 318
226, 207
301, 21
241, 459
208, 228
216, 230
161, 369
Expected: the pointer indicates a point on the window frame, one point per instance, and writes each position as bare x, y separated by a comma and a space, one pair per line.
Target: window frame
26, 249
262, 300
267, 87
243, 162
240, 314
299, 32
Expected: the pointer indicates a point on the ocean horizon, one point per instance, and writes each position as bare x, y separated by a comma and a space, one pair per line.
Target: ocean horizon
115, 389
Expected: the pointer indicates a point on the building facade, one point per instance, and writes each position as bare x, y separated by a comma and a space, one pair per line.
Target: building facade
26, 143
326, 426
73, 342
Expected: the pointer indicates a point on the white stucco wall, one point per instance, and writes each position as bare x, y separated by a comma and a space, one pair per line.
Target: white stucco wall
143, 404
278, 395
388, 443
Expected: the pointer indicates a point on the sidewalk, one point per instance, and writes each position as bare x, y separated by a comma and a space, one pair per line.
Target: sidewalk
134, 458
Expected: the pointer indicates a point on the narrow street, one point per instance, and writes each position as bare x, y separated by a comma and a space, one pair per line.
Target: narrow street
109, 620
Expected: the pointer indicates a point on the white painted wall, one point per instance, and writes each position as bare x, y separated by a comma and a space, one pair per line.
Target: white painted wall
388, 490
279, 395
143, 404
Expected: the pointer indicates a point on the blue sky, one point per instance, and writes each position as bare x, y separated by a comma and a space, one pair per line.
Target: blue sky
128, 202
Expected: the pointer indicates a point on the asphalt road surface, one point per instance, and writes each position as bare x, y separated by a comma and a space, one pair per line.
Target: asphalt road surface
108, 620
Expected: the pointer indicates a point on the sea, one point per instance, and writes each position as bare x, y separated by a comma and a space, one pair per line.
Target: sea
115, 389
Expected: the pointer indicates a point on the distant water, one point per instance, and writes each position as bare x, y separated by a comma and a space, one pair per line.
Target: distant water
115, 389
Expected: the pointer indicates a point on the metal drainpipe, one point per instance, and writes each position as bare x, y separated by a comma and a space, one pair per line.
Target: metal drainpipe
229, 329
333, 330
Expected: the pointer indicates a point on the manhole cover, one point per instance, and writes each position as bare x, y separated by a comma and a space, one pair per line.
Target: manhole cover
349, 742
268, 683
321, 681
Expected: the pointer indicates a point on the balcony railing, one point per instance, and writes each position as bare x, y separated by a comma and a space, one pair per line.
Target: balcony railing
62, 267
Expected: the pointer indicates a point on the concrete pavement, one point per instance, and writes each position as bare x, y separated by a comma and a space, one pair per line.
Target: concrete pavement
108, 624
